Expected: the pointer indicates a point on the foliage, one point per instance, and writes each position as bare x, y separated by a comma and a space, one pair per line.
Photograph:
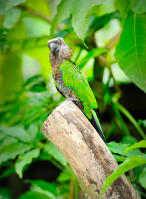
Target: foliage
28, 94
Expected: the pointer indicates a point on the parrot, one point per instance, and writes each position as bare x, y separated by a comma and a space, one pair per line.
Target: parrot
71, 82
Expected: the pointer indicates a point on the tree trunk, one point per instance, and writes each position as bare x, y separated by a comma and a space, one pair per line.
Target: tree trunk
71, 132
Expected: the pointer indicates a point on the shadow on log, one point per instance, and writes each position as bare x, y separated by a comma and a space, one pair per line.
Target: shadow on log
71, 132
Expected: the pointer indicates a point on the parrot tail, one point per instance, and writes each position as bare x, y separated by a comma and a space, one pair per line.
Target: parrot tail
95, 122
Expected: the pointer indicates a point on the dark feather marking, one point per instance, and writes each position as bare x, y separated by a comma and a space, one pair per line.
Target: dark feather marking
72, 62
96, 126
97, 112
60, 92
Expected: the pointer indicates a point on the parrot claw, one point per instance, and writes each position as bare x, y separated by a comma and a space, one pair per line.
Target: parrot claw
76, 101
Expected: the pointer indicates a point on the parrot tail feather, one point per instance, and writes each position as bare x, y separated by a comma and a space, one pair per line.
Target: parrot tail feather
95, 122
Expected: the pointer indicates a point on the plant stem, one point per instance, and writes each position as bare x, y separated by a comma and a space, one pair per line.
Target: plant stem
132, 120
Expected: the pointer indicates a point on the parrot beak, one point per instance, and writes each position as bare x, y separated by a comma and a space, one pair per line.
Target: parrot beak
53, 47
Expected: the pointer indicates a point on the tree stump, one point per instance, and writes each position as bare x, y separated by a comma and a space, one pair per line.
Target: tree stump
92, 162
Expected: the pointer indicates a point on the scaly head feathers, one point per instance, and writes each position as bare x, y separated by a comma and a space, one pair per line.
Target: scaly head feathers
59, 50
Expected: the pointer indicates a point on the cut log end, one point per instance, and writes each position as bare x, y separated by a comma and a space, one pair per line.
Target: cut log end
71, 132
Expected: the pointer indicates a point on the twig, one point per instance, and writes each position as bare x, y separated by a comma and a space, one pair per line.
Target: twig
36, 13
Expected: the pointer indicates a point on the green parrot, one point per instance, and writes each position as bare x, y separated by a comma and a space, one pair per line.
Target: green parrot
71, 83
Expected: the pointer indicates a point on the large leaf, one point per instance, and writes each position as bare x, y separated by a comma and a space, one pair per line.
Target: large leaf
123, 7
16, 132
141, 144
139, 6
41, 185
25, 159
11, 76
11, 150
131, 50
5, 5
142, 178
79, 10
11, 17
34, 195
129, 164
119, 148
55, 153
12, 3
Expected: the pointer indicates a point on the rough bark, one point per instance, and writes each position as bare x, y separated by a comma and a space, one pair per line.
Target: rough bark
71, 132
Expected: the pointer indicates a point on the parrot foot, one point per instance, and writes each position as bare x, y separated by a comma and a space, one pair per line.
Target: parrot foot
76, 102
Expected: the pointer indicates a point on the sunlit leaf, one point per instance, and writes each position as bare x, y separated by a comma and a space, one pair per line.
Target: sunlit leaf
11, 17
66, 175
123, 6
36, 27
34, 195
16, 132
11, 150
12, 3
142, 178
139, 6
79, 10
25, 159
119, 148
11, 76
46, 186
40, 6
55, 153
129, 164
131, 50
141, 144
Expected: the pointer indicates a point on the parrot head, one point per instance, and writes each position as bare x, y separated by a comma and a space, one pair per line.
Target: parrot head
59, 49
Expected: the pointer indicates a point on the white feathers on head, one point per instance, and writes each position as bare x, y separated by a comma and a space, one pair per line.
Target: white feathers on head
65, 51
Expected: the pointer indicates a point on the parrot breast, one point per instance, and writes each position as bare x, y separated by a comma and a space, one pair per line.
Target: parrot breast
64, 90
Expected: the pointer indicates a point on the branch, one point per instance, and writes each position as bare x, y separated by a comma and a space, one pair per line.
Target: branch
36, 13
70, 131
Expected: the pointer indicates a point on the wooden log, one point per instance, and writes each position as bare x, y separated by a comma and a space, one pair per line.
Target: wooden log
71, 132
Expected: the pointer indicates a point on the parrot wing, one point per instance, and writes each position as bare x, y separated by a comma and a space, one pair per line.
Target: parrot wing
73, 78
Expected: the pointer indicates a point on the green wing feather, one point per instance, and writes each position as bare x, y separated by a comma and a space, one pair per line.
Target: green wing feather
73, 78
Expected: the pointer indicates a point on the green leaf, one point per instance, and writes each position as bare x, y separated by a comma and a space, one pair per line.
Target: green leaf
123, 6
131, 50
139, 6
92, 53
80, 20
11, 17
55, 153
12, 3
142, 178
36, 27
5, 193
131, 119
129, 164
79, 11
7, 140
10, 70
119, 148
66, 175
41, 185
7, 172
141, 144
34, 195
16, 132
3, 4
122, 124
11, 150
25, 159
128, 140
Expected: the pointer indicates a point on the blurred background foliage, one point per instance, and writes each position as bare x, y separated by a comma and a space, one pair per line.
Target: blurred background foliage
31, 166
